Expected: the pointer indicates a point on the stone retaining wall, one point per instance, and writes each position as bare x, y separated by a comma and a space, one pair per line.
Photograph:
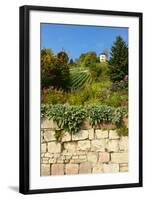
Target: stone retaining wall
89, 151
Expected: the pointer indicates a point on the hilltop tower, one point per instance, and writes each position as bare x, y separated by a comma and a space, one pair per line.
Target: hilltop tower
103, 57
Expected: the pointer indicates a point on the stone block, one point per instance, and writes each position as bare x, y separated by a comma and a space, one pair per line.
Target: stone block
56, 155
85, 168
45, 169
79, 153
113, 146
98, 145
43, 148
119, 157
82, 157
124, 167
48, 123
124, 143
75, 157
101, 134
42, 155
42, 137
91, 134
83, 145
44, 160
71, 168
49, 135
98, 168
49, 155
113, 134
70, 146
57, 169
92, 157
104, 157
79, 160
109, 168
66, 137
66, 161
81, 135
73, 161
68, 157
54, 147
66, 153
60, 161
52, 160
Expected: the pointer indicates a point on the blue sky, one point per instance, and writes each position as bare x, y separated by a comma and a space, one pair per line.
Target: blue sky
76, 39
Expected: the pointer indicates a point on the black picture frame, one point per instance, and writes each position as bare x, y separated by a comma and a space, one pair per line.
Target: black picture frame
25, 105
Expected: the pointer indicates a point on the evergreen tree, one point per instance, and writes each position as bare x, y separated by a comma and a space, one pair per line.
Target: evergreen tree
71, 62
119, 60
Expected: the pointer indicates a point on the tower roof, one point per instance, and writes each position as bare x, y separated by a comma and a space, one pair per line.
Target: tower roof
102, 53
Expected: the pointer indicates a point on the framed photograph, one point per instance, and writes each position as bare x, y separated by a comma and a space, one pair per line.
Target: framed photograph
80, 99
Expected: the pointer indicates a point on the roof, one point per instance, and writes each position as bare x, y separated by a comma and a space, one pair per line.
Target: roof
102, 54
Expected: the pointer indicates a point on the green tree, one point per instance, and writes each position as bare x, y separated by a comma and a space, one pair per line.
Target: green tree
71, 62
54, 70
62, 58
119, 60
98, 59
63, 74
47, 67
88, 59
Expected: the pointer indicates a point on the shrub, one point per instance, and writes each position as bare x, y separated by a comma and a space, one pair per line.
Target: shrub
114, 99
68, 118
78, 98
100, 71
99, 92
99, 114
53, 96
122, 131
94, 93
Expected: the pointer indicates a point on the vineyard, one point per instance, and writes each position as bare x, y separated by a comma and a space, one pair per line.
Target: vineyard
80, 77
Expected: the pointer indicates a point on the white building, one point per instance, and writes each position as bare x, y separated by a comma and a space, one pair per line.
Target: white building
103, 57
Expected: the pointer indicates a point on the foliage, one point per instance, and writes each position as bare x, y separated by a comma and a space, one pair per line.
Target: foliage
70, 118
59, 133
53, 96
120, 86
47, 65
118, 60
88, 59
54, 70
62, 58
99, 71
114, 99
122, 131
91, 93
78, 97
98, 91
105, 114
100, 114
